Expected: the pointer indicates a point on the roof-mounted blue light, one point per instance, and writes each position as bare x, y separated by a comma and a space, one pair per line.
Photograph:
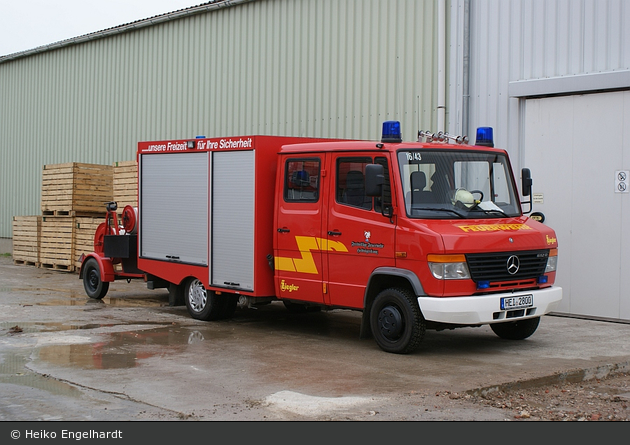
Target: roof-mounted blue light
484, 137
391, 132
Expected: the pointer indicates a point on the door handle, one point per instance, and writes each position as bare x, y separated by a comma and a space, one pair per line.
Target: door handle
282, 230
331, 233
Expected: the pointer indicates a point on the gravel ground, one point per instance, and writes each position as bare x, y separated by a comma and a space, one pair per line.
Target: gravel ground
605, 399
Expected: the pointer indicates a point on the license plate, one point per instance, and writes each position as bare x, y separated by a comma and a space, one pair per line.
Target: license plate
519, 302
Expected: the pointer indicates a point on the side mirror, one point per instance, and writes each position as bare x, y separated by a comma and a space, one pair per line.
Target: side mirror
374, 179
526, 187
526, 182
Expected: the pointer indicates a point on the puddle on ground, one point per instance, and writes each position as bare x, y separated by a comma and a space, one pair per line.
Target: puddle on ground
106, 301
73, 297
116, 349
7, 328
13, 371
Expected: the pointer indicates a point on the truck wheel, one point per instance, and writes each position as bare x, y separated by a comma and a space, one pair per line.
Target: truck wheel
201, 304
94, 286
516, 330
396, 321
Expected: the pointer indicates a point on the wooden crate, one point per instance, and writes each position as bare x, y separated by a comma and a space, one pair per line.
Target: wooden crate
57, 243
76, 189
84, 230
125, 184
26, 239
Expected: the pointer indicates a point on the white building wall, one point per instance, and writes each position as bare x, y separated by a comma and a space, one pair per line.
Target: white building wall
523, 54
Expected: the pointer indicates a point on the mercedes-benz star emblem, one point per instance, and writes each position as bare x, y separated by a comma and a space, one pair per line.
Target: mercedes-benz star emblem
513, 264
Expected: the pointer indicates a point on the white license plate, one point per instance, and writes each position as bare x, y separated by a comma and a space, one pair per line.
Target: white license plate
522, 301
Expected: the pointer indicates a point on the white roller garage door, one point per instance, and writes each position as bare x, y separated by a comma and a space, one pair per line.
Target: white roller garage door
575, 146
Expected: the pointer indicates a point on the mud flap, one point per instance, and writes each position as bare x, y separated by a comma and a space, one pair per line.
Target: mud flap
176, 295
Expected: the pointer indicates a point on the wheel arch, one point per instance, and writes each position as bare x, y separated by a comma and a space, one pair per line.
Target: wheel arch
105, 266
383, 278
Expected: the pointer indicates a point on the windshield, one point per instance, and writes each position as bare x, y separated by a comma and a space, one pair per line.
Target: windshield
447, 184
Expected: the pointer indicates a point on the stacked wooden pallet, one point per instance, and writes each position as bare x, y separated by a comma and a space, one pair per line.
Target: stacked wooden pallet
74, 196
76, 189
26, 239
57, 243
70, 191
125, 184
83, 236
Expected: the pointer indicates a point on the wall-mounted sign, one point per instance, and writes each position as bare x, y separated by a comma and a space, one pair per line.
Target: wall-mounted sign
622, 184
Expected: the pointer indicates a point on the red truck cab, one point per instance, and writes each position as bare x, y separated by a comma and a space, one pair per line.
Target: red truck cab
420, 235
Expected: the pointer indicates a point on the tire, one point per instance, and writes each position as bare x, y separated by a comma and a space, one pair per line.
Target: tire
516, 330
396, 321
94, 286
207, 306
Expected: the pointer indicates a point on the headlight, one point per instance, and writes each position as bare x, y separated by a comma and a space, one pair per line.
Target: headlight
448, 267
552, 261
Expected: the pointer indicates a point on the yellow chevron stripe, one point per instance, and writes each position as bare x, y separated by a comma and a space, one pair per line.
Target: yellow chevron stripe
306, 264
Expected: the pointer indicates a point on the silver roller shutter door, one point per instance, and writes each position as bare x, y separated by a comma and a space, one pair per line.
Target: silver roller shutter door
174, 207
233, 219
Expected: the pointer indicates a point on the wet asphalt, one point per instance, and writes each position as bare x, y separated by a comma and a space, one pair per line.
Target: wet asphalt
131, 356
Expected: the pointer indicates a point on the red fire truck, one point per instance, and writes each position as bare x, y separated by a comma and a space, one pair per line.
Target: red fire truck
416, 235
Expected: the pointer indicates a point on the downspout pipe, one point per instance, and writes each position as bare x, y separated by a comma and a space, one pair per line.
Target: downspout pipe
441, 80
466, 71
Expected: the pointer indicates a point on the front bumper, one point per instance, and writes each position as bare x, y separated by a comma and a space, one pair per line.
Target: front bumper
485, 309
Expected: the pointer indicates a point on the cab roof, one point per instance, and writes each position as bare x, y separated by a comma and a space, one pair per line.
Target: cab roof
365, 145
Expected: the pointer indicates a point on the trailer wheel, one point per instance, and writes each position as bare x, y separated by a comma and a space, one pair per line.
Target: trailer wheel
94, 286
516, 330
201, 304
396, 321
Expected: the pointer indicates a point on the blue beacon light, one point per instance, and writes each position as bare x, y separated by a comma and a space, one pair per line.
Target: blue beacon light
391, 132
485, 137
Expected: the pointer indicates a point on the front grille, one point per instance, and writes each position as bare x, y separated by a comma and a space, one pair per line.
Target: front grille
494, 266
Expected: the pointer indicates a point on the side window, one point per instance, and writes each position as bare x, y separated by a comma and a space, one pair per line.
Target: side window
301, 180
350, 187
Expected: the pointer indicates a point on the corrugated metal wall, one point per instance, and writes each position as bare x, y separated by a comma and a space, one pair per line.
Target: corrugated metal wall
529, 39
325, 68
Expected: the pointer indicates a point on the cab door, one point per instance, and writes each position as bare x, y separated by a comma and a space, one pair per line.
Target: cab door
298, 227
360, 238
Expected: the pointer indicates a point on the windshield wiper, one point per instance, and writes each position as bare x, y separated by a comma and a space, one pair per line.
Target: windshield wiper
489, 212
437, 209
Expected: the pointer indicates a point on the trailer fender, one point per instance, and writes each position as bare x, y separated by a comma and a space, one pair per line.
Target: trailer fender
383, 278
105, 266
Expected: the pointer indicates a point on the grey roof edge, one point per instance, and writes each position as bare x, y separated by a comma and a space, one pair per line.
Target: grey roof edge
580, 83
128, 27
